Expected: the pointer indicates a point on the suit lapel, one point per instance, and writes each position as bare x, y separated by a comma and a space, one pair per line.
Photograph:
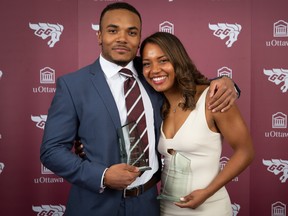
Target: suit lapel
107, 98
105, 93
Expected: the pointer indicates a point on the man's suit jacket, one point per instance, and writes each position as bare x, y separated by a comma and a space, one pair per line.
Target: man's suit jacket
83, 107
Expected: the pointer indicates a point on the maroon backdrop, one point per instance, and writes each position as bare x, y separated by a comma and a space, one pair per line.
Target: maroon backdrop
41, 40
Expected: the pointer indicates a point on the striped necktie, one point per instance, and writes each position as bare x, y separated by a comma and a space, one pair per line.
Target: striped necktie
135, 113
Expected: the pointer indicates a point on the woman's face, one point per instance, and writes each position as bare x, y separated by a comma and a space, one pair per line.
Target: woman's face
157, 69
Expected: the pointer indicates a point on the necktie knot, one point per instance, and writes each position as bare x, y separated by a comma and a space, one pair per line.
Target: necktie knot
126, 72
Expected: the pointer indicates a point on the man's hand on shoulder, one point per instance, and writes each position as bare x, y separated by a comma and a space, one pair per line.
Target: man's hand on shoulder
222, 94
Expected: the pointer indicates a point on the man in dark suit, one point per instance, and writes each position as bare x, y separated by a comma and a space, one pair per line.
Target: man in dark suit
89, 105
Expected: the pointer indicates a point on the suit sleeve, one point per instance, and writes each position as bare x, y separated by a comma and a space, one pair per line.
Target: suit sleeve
59, 134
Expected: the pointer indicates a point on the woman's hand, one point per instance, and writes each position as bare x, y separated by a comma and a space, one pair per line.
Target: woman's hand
194, 199
79, 148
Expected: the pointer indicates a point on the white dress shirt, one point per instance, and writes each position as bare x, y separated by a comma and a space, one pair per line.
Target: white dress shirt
116, 84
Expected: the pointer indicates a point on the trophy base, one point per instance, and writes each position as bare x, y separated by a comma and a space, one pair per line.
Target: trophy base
144, 168
169, 198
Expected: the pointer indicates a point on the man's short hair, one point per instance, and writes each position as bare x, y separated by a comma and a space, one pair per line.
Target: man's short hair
119, 5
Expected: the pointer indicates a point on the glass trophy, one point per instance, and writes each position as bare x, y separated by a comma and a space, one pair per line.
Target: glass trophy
177, 182
131, 147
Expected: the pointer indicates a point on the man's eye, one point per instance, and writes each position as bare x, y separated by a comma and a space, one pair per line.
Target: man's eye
133, 33
113, 31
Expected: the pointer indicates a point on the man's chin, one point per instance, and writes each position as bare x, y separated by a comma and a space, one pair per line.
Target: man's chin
122, 63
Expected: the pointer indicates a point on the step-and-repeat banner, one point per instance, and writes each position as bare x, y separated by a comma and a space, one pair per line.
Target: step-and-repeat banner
41, 40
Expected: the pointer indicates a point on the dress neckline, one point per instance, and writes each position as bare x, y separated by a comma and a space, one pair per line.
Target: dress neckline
161, 128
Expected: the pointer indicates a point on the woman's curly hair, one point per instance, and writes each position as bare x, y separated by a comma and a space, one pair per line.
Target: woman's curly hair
187, 74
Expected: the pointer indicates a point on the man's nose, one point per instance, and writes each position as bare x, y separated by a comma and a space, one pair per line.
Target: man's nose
122, 36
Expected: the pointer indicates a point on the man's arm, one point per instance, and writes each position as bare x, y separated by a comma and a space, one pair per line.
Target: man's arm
222, 93
60, 131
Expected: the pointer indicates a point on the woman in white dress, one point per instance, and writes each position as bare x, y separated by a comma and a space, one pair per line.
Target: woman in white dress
191, 134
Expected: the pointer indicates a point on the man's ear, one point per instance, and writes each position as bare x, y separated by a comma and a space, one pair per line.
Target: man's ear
99, 36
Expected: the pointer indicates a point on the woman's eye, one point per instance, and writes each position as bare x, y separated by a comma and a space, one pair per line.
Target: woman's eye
163, 60
145, 64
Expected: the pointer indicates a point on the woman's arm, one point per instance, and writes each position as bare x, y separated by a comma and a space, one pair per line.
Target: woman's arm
234, 130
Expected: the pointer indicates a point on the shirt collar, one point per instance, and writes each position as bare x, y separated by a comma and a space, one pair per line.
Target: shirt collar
111, 69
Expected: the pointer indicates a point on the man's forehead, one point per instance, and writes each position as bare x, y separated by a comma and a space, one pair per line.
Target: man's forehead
121, 17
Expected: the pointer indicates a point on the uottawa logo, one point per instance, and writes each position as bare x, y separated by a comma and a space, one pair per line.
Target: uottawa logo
278, 166
45, 30
223, 30
1, 167
235, 209
278, 76
40, 120
278, 209
166, 26
49, 210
